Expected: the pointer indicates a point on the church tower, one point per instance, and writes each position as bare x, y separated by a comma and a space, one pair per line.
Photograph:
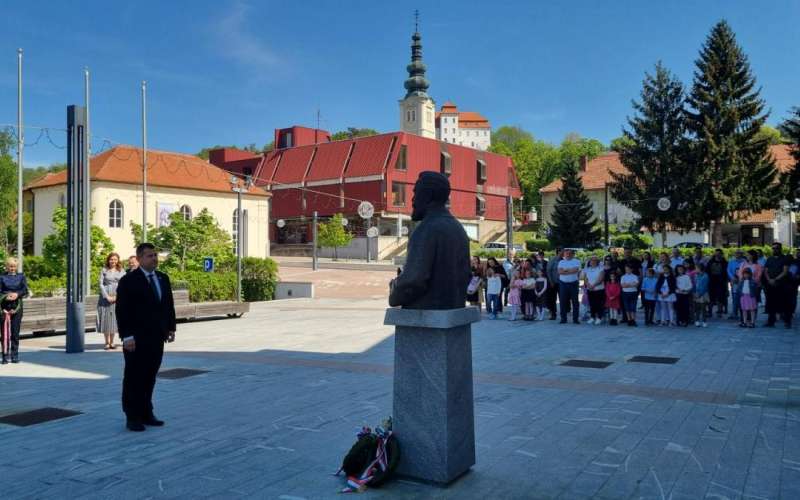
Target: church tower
417, 109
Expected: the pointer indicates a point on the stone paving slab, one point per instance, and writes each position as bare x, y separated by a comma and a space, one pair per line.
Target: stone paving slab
289, 384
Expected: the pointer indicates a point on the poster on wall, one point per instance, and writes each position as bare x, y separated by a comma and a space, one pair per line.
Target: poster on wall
164, 211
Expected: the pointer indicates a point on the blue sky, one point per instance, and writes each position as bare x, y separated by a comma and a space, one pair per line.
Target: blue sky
230, 72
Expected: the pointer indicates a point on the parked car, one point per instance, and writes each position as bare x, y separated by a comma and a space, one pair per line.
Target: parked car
690, 244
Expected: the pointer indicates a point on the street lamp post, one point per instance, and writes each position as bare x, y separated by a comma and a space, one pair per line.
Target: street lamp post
239, 190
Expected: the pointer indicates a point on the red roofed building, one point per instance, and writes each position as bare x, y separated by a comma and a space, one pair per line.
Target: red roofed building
176, 183
465, 128
334, 177
755, 229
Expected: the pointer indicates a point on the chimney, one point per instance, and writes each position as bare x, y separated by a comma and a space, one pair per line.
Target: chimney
583, 162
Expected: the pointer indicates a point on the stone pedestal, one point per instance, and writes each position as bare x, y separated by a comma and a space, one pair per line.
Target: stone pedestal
433, 414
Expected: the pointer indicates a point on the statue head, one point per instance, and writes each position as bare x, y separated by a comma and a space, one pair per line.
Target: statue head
431, 190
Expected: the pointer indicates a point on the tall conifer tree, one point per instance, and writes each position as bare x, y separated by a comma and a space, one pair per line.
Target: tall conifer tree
730, 163
654, 151
573, 222
791, 129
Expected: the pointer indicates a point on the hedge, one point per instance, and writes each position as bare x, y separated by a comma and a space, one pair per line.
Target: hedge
536, 245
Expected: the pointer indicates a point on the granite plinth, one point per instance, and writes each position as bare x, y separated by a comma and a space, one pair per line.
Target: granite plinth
433, 409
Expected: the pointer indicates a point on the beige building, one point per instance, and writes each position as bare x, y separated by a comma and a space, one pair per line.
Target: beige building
175, 183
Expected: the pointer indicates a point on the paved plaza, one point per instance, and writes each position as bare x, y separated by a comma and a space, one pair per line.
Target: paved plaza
287, 386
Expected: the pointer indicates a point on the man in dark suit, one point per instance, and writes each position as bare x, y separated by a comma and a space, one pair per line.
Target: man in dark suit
146, 319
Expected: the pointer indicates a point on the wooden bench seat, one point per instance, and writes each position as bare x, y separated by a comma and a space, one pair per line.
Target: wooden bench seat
48, 314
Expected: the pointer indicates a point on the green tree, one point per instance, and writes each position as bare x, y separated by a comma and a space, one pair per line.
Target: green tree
352, 133
725, 117
535, 162
54, 245
189, 241
791, 129
654, 151
573, 222
574, 147
772, 135
620, 143
8, 188
332, 234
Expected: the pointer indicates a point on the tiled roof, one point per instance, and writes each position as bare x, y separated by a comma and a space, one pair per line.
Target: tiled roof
123, 164
597, 170
765, 217
466, 119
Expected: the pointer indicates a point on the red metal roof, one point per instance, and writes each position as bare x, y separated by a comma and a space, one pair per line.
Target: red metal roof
293, 165
329, 161
369, 156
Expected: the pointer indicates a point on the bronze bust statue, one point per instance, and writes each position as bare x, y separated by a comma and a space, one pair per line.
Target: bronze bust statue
436, 273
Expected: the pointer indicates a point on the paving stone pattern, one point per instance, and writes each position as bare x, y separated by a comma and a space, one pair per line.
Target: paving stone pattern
289, 384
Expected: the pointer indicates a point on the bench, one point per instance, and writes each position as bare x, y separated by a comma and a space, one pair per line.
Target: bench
48, 314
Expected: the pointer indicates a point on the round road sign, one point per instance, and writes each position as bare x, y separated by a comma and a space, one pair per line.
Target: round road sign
281, 223
366, 210
372, 232
664, 204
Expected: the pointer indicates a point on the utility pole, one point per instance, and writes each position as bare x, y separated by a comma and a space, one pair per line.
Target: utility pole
314, 263
20, 147
509, 226
87, 199
144, 161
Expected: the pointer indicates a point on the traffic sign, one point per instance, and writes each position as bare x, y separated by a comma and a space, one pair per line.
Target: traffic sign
366, 210
208, 264
281, 223
372, 232
664, 204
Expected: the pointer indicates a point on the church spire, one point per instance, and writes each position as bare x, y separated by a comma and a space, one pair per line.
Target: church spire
416, 84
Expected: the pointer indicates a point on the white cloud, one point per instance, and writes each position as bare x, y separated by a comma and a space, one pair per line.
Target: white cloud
242, 46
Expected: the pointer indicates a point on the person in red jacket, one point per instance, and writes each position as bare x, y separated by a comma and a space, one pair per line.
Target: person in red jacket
613, 303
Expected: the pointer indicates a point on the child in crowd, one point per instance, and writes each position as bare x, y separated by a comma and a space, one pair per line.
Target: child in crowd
666, 287
649, 298
529, 294
475, 288
540, 289
515, 295
701, 297
494, 285
747, 298
683, 295
630, 294
613, 291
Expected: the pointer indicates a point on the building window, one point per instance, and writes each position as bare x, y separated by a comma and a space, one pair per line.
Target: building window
186, 212
481, 167
480, 205
402, 158
398, 194
444, 163
115, 214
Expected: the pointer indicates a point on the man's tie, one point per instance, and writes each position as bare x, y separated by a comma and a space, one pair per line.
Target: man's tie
152, 278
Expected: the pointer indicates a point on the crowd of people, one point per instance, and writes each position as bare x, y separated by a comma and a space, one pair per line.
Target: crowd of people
669, 289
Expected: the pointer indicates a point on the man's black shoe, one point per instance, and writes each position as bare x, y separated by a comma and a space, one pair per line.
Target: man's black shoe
15, 360
562, 322
152, 421
135, 425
